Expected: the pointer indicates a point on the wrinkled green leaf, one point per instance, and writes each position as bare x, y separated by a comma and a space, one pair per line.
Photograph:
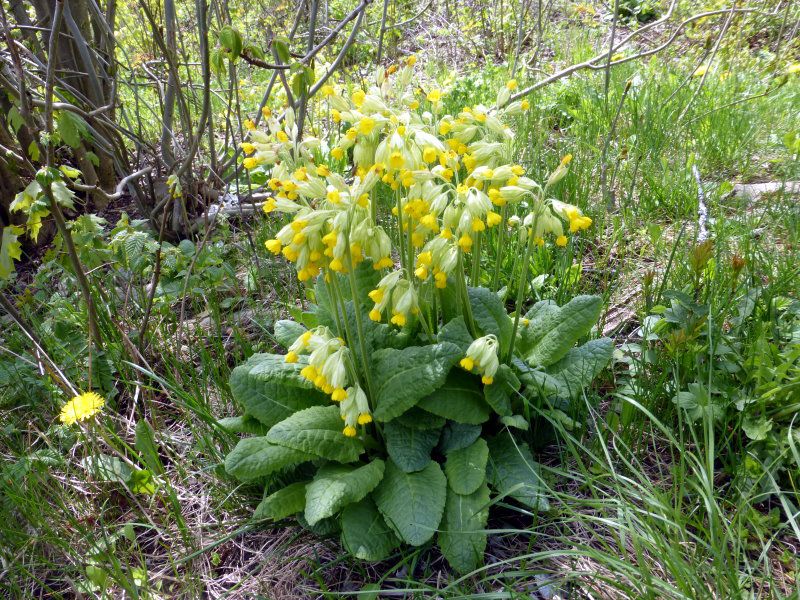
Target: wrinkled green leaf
459, 399
287, 332
463, 535
466, 468
256, 457
317, 430
512, 471
365, 534
490, 315
336, 486
552, 331
270, 389
283, 503
412, 503
403, 377
458, 435
409, 448
455, 331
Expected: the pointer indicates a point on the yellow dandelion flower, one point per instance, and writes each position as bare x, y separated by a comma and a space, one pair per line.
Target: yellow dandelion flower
81, 408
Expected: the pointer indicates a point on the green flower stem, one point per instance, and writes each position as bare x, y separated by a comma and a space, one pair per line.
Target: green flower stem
351, 275
501, 239
476, 260
464, 295
522, 283
332, 294
339, 302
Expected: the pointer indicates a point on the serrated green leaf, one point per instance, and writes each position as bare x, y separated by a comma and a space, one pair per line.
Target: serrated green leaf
365, 534
72, 128
317, 430
455, 331
283, 503
490, 315
270, 389
256, 457
458, 435
412, 503
287, 332
463, 536
231, 40
466, 468
459, 399
409, 448
561, 329
512, 471
10, 250
403, 377
63, 195
336, 486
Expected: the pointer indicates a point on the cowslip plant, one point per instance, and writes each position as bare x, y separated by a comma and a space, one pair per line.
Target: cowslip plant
401, 406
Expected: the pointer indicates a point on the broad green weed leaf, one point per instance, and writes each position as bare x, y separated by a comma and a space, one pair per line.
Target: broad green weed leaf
490, 315
463, 536
499, 394
466, 468
412, 503
568, 377
458, 435
456, 332
283, 503
512, 471
287, 332
336, 486
403, 377
408, 447
317, 430
365, 534
256, 457
459, 399
573, 321
270, 389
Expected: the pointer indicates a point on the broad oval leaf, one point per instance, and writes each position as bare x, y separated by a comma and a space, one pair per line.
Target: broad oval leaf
256, 457
410, 448
365, 534
512, 471
463, 535
412, 503
336, 486
287, 332
403, 377
459, 399
466, 468
270, 389
490, 315
283, 503
317, 430
573, 321
458, 435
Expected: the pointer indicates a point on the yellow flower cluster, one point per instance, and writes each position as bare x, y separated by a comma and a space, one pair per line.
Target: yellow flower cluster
329, 366
450, 175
